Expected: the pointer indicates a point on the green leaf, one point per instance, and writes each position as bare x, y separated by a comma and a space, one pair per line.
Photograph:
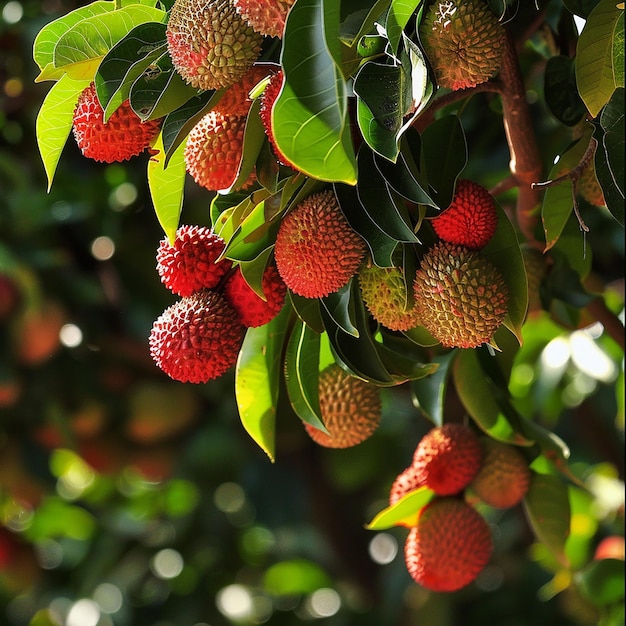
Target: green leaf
257, 379
547, 508
307, 310
602, 581
79, 51
612, 122
398, 16
167, 184
404, 512
594, 56
302, 374
478, 396
126, 61
294, 577
43, 617
54, 121
310, 115
430, 392
49, 35
561, 92
445, 154
340, 307
617, 52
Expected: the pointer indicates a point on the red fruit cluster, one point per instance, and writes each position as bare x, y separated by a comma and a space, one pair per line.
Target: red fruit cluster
123, 136
198, 338
471, 219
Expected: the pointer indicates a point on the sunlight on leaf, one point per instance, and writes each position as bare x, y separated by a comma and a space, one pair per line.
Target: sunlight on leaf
405, 512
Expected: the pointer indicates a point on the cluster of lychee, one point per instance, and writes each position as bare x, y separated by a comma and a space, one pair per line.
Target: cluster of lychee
458, 295
450, 544
198, 338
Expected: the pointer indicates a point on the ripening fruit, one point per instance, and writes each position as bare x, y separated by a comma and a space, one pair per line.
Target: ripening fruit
536, 270
236, 99
589, 186
197, 338
211, 46
123, 136
268, 98
449, 547
504, 477
253, 310
384, 293
265, 16
405, 482
317, 251
611, 547
190, 263
471, 219
461, 296
350, 409
214, 149
447, 458
463, 41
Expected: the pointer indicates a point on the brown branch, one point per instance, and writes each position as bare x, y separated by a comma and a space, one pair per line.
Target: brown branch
525, 163
612, 324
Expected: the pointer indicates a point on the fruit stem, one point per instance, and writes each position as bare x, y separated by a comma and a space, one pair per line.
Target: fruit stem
525, 163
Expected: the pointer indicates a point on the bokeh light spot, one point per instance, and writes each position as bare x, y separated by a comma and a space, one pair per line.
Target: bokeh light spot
84, 612
323, 603
235, 602
102, 248
167, 563
383, 548
71, 335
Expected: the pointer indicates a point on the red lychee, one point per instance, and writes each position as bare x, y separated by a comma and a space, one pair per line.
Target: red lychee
253, 310
447, 458
189, 264
265, 16
214, 150
450, 545
198, 338
317, 251
236, 99
123, 136
405, 482
471, 219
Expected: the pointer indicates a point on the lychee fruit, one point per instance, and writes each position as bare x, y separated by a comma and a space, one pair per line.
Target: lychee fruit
447, 458
265, 16
253, 310
449, 547
210, 44
214, 150
610, 547
504, 476
191, 262
317, 251
350, 409
461, 297
268, 98
405, 482
236, 99
471, 219
463, 41
122, 137
198, 338
384, 293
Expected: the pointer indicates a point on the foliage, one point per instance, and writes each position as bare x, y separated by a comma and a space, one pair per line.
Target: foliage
360, 111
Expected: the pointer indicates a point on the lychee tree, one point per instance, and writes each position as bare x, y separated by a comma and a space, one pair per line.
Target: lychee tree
342, 150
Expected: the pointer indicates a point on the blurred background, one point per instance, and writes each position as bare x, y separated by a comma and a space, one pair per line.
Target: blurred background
127, 499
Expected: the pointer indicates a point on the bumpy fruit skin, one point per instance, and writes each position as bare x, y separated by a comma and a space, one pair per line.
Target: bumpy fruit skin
384, 292
265, 16
449, 547
504, 477
211, 46
461, 297
268, 98
253, 311
405, 482
121, 138
214, 149
236, 99
463, 41
189, 264
471, 219
317, 251
447, 458
350, 409
197, 339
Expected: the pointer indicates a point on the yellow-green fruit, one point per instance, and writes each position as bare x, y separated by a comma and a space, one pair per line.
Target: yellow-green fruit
536, 269
350, 408
461, 297
463, 42
384, 292
210, 44
504, 477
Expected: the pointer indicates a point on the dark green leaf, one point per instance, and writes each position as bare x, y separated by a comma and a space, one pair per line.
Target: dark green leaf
308, 310
430, 392
561, 92
612, 121
398, 16
340, 307
602, 581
